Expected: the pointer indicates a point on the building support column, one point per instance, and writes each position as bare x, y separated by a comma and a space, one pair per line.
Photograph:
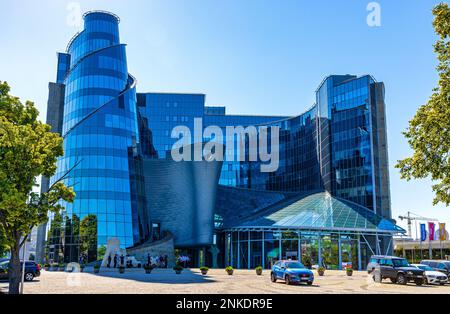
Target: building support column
359, 253
248, 250
238, 251
280, 255
300, 247
231, 253
227, 249
339, 252
319, 241
377, 244
201, 257
263, 261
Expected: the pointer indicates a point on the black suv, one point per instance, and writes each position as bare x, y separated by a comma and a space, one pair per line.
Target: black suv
398, 270
31, 270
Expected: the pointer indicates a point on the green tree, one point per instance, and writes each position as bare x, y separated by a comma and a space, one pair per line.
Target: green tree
88, 237
54, 237
429, 131
4, 248
27, 149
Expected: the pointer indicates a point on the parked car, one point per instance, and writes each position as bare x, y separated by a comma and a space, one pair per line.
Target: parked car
432, 277
291, 272
397, 269
32, 270
438, 265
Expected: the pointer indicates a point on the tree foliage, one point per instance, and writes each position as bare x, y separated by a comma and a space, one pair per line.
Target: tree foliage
428, 133
4, 248
28, 149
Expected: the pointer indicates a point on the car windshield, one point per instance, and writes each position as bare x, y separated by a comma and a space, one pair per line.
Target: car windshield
400, 262
294, 265
425, 267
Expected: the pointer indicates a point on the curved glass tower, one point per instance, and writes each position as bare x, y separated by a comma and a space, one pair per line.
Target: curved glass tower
99, 127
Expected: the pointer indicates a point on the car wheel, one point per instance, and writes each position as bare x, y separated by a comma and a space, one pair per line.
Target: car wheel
273, 277
426, 281
29, 277
442, 283
418, 282
394, 280
288, 280
310, 283
401, 279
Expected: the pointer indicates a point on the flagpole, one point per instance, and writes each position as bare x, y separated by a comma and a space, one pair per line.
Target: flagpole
430, 236
421, 253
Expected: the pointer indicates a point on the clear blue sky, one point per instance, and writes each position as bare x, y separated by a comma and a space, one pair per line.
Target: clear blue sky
253, 56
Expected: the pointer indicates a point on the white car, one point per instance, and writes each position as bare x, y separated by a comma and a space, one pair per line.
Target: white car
432, 277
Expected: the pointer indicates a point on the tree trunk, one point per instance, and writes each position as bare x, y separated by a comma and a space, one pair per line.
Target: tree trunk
15, 272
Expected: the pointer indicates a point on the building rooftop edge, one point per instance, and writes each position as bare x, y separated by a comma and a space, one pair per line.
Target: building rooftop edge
102, 11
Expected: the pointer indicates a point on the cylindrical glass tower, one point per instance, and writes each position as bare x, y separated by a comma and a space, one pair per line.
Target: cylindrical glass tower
100, 142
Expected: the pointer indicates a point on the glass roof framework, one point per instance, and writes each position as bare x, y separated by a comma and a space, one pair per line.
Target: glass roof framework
319, 212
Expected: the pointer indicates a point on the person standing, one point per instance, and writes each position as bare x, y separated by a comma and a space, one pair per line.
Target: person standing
148, 259
115, 260
109, 261
122, 260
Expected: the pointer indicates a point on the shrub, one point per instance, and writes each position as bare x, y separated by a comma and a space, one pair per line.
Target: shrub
259, 268
204, 268
178, 268
148, 266
229, 268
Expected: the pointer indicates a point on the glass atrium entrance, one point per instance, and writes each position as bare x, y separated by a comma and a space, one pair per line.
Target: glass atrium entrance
334, 250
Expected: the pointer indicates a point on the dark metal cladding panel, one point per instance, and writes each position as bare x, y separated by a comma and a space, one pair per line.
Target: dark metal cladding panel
181, 197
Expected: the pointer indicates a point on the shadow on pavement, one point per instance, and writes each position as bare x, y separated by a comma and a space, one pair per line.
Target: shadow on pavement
167, 276
296, 284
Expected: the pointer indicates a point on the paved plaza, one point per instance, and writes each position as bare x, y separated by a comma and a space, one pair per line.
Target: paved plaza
216, 282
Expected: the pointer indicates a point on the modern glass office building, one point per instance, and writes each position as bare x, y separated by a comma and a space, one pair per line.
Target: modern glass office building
328, 202
100, 131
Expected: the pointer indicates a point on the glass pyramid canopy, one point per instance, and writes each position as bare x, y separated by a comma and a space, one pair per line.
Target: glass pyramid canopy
320, 211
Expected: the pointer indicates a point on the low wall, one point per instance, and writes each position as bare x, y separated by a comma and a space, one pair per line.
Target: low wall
162, 247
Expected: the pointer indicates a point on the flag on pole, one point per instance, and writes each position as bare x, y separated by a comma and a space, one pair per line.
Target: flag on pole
442, 232
423, 232
431, 231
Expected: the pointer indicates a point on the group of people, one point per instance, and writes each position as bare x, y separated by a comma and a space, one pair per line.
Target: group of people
115, 260
159, 261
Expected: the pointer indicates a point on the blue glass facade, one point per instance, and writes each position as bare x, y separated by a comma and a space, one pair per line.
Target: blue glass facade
161, 112
337, 146
117, 144
101, 135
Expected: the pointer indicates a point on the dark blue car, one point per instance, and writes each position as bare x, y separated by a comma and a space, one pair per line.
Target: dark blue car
291, 272
32, 270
